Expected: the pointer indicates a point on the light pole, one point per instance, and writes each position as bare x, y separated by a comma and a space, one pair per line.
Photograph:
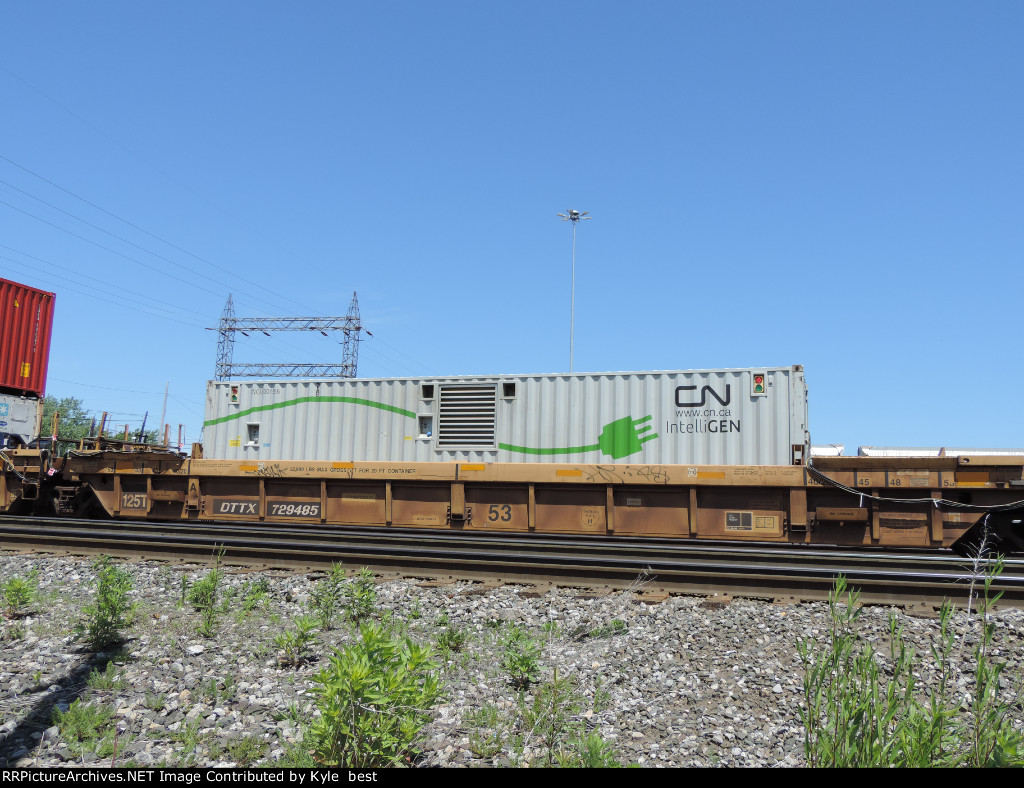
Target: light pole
574, 217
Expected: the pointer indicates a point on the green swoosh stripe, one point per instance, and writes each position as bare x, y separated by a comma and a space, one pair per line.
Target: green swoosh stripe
528, 450
299, 400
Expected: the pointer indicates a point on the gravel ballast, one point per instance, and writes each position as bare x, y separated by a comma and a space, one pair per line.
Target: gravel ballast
676, 681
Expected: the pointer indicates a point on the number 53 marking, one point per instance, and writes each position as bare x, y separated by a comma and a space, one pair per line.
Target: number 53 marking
501, 512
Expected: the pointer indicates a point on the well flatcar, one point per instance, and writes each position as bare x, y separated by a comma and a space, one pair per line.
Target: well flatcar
935, 502
706, 454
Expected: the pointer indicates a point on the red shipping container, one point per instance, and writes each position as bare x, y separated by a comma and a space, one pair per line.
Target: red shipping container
26, 321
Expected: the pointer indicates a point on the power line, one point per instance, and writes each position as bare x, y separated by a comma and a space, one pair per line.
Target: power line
78, 274
139, 156
136, 227
105, 248
129, 223
57, 283
125, 240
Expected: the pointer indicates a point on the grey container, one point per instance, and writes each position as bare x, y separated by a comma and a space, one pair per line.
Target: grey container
699, 417
20, 417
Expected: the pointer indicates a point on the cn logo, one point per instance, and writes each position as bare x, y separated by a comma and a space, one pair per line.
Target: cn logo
680, 403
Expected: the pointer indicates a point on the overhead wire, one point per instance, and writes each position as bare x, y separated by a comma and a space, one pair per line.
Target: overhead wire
110, 286
118, 304
131, 224
124, 147
106, 248
147, 250
123, 240
132, 259
140, 229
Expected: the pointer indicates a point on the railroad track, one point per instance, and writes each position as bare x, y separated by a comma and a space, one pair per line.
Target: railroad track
787, 573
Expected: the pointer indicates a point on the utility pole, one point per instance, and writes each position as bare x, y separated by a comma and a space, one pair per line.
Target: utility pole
574, 217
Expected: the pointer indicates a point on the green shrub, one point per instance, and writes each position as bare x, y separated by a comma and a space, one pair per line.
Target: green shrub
105, 619
520, 657
202, 594
374, 698
18, 593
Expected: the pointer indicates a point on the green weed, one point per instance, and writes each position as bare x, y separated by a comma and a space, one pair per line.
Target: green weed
489, 728
451, 640
111, 612
854, 714
18, 593
295, 644
204, 595
360, 596
89, 725
520, 657
246, 750
105, 680
254, 596
588, 751
374, 698
329, 595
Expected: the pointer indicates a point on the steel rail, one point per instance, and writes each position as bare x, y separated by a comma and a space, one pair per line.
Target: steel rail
789, 572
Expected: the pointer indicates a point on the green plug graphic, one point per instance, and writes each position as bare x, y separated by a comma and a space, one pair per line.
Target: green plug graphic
624, 436
618, 439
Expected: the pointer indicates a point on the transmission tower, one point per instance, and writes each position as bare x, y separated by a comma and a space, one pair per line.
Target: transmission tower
226, 340
229, 324
350, 347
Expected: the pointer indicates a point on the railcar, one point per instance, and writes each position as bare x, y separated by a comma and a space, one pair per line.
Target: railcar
688, 454
926, 502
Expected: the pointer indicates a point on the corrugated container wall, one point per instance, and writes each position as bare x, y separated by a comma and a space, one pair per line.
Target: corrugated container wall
706, 417
26, 321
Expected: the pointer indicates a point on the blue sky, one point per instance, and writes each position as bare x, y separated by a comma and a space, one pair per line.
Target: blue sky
837, 185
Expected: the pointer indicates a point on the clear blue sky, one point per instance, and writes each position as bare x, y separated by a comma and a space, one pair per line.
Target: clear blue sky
837, 185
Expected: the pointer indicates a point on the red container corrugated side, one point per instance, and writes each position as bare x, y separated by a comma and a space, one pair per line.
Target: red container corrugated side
26, 322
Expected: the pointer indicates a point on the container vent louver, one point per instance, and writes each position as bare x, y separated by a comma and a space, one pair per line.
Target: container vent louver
466, 416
